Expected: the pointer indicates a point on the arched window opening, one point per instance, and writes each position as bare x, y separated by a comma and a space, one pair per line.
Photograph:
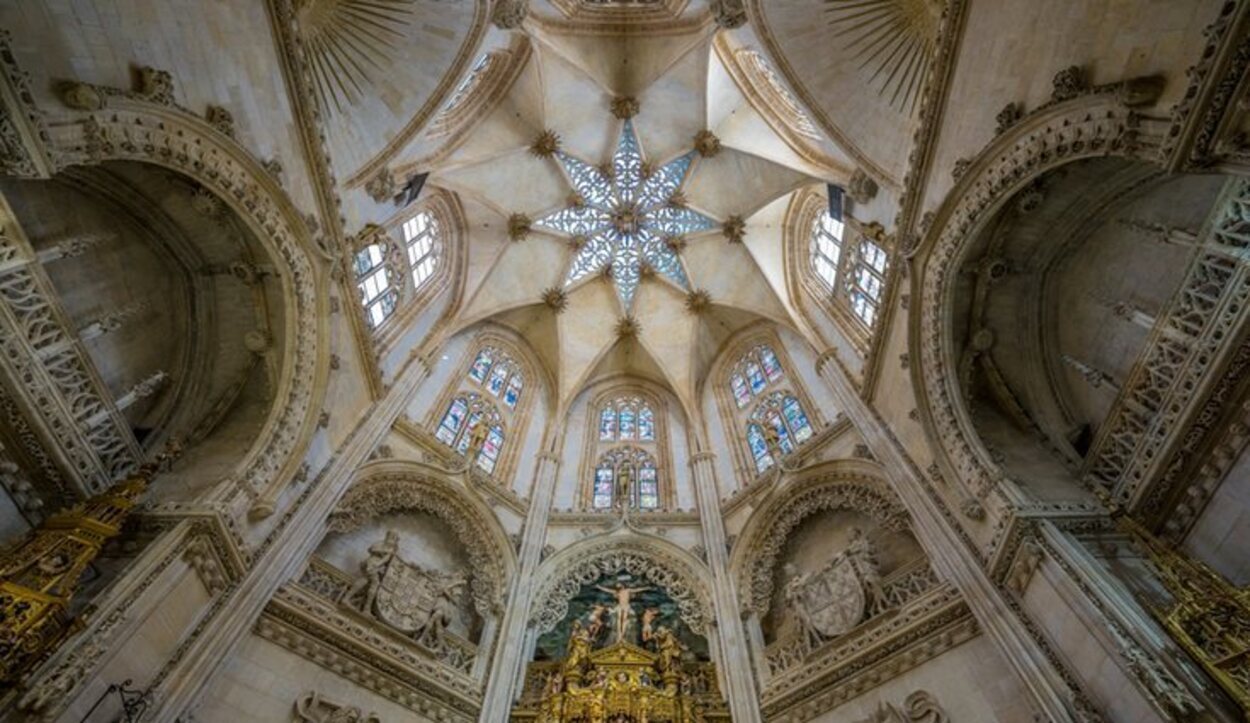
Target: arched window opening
778, 422
499, 375
826, 248
754, 373
376, 292
867, 283
421, 235
472, 422
627, 419
626, 476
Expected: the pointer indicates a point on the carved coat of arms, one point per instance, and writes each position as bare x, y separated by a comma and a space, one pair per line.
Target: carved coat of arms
834, 598
406, 596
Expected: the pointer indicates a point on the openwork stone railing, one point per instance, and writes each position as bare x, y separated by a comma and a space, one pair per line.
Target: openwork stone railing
331, 584
899, 589
1188, 344
50, 373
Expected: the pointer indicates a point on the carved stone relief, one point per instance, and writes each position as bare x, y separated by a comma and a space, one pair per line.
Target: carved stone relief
919, 707
313, 708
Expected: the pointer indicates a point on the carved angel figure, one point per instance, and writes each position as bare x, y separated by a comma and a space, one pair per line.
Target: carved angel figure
365, 590
431, 631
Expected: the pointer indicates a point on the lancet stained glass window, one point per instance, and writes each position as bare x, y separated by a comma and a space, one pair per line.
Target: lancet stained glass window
626, 475
627, 419
456, 428
826, 248
754, 373
783, 413
421, 241
867, 281
626, 217
498, 374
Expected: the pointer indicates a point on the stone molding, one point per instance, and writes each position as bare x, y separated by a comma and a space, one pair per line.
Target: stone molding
849, 486
394, 487
560, 577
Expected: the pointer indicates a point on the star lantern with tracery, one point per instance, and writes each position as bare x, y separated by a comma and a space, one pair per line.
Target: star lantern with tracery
628, 216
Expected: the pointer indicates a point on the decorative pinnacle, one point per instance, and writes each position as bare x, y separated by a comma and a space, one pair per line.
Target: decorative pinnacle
519, 226
625, 106
735, 229
627, 327
556, 299
546, 144
706, 143
698, 301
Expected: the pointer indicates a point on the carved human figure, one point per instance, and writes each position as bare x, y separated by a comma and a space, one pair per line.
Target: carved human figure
365, 590
624, 484
595, 622
669, 649
622, 609
772, 439
862, 554
477, 438
577, 653
792, 596
441, 613
648, 621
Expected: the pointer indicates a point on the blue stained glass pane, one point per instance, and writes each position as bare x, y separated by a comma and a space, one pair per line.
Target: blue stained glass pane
588, 181
662, 184
576, 221
497, 379
626, 268
480, 367
463, 445
490, 450
797, 420
627, 164
603, 488
772, 367
646, 425
759, 448
756, 377
591, 258
607, 424
786, 443
628, 429
661, 257
742, 395
513, 393
673, 221
451, 421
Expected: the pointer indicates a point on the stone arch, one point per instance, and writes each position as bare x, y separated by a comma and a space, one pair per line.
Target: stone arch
1099, 125
128, 128
849, 485
390, 487
657, 561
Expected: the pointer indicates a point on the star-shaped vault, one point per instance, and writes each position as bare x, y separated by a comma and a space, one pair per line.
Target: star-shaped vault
627, 216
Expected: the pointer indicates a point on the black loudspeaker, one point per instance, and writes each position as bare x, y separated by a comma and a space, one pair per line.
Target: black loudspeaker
411, 190
835, 202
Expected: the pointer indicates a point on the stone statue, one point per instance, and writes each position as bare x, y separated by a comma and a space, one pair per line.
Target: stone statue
622, 610
792, 596
624, 484
669, 648
772, 439
648, 619
477, 437
577, 653
862, 554
365, 590
442, 612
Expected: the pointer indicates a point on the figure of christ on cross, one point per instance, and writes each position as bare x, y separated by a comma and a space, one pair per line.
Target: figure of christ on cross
623, 612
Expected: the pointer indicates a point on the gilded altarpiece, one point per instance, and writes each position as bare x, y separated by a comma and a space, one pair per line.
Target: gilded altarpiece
622, 654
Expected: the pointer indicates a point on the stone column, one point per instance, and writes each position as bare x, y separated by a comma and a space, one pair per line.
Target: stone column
508, 665
735, 656
954, 560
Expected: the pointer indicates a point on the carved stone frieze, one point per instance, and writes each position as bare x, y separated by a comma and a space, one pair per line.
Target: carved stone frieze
919, 707
311, 707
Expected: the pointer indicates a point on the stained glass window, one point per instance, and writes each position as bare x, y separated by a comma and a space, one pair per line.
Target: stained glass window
452, 421
490, 450
481, 366
784, 414
604, 487
614, 467
742, 395
772, 367
376, 292
456, 428
607, 424
626, 218
498, 378
627, 423
648, 488
495, 370
759, 448
826, 247
756, 376
646, 424
867, 283
513, 393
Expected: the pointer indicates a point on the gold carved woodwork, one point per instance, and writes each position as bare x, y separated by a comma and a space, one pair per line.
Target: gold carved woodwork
621, 682
1209, 616
39, 576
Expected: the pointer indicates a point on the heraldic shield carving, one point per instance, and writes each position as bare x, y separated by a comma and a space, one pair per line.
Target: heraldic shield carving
834, 598
406, 596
